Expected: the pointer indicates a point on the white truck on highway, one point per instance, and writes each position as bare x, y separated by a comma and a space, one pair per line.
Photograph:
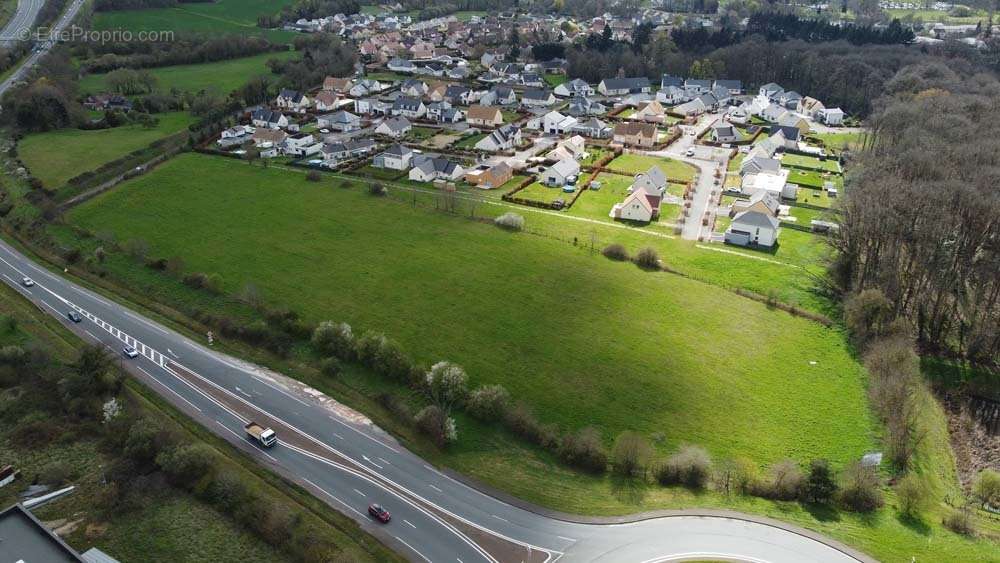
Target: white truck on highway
263, 436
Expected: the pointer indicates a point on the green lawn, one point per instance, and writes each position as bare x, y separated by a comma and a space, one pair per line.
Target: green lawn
421, 133
542, 193
219, 17
222, 76
829, 165
636, 163
561, 334
469, 141
597, 204
814, 178
554, 80
840, 141
56, 156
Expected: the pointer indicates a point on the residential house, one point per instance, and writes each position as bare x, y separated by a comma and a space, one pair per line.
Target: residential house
650, 111
810, 106
395, 127
790, 100
532, 80
499, 96
413, 87
774, 184
409, 107
696, 86
535, 97
484, 116
593, 128
760, 165
436, 91
396, 157
301, 144
763, 202
235, 136
693, 108
560, 173
624, 86
264, 137
338, 85
430, 169
833, 117
773, 113
753, 228
670, 81
491, 177
790, 136
734, 87
725, 133
339, 121
672, 95
372, 106
580, 106
771, 91
325, 100
575, 87
458, 95
108, 102
451, 115
653, 182
436, 109
573, 148
502, 139
738, 115
366, 87
399, 64
268, 119
352, 148
635, 134
792, 120
557, 123
292, 100
636, 207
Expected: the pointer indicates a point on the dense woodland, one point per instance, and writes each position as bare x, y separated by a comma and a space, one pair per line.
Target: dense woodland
920, 216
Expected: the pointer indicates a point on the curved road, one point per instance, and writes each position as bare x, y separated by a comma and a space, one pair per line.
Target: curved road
341, 457
22, 21
12, 32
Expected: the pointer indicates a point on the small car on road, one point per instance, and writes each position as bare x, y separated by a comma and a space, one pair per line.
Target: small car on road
379, 513
689, 152
74, 316
27, 282
130, 352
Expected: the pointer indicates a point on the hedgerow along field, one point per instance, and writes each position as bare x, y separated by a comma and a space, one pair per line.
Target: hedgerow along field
56, 156
221, 76
219, 17
584, 340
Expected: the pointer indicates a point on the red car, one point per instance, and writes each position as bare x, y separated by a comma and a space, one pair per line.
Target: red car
379, 513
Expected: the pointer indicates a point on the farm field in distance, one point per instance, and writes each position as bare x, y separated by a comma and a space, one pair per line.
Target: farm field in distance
223, 76
56, 156
219, 17
585, 340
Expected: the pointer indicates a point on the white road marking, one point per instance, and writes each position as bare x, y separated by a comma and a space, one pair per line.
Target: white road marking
413, 548
171, 352
338, 436
385, 461
181, 397
565, 538
244, 393
359, 492
91, 334
364, 457
334, 497
377, 441
435, 488
500, 519
410, 524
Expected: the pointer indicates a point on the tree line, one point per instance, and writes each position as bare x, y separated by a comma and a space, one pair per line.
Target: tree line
104, 57
919, 220
114, 5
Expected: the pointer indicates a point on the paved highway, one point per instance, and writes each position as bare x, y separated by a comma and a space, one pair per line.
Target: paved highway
341, 457
27, 12
21, 22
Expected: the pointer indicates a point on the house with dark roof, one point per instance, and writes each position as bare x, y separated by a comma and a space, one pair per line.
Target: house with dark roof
395, 127
670, 81
624, 86
292, 100
753, 228
430, 169
536, 97
573, 88
734, 87
697, 86
263, 117
23, 538
407, 106
396, 157
502, 139
339, 121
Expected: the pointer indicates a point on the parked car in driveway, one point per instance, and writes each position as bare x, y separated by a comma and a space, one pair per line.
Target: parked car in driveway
27, 282
130, 352
379, 513
74, 316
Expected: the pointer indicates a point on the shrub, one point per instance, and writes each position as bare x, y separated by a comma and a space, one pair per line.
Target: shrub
615, 252
520, 420
860, 490
648, 259
510, 221
584, 449
227, 491
736, 475
334, 339
691, 466
912, 496
144, 442
186, 464
986, 487
395, 405
377, 189
57, 473
960, 522
820, 485
446, 385
487, 402
437, 425
631, 454
330, 367
314, 176
867, 314
213, 283
785, 482
196, 280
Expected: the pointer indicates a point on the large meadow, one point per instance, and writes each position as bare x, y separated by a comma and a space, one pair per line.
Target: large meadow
586, 341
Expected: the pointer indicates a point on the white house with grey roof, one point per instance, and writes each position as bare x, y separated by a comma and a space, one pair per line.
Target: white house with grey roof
396, 157
409, 107
501, 139
753, 228
624, 86
535, 97
575, 87
559, 173
339, 121
395, 127
430, 169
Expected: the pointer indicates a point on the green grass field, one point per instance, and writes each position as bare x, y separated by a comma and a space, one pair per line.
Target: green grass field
542, 193
219, 17
597, 204
56, 156
221, 76
840, 141
636, 163
585, 340
810, 162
